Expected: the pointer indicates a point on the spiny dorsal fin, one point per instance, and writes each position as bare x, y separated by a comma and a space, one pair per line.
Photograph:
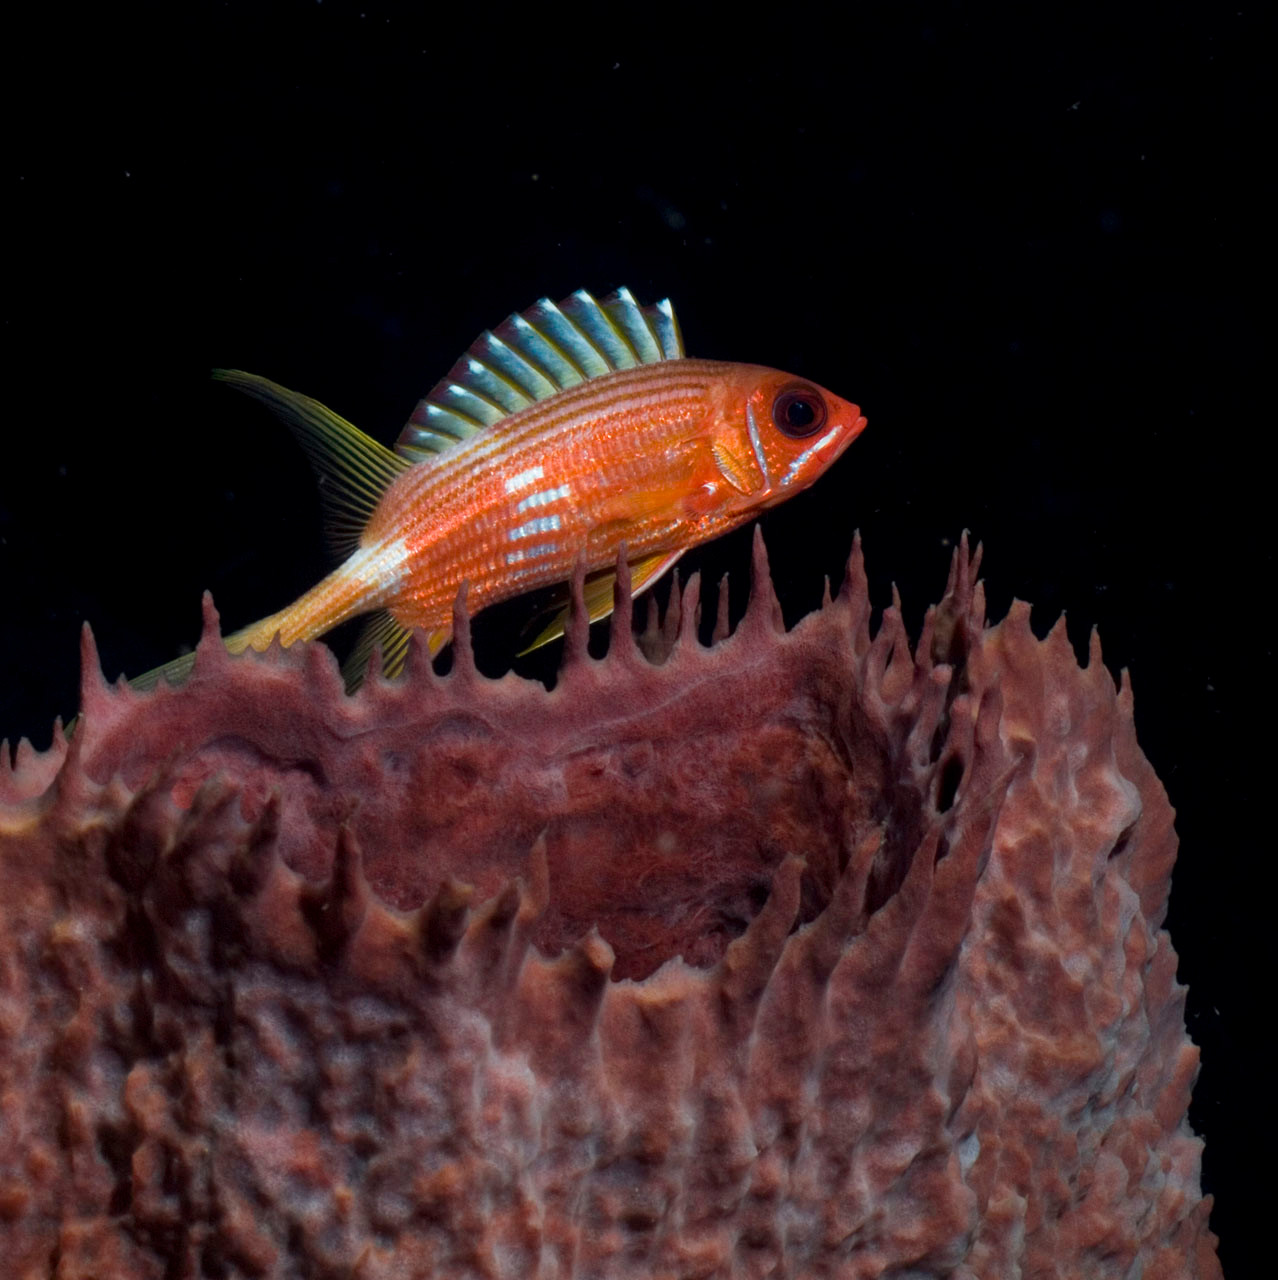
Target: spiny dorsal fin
354, 470
534, 355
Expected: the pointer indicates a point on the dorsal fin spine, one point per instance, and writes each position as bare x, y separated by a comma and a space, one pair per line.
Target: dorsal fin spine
513, 363
596, 324
535, 354
560, 350
530, 330
477, 365
471, 424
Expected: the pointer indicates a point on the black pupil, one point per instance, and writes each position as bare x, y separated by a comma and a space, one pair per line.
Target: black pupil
798, 411
800, 414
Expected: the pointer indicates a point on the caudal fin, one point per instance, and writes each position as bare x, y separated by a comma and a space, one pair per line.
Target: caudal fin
175, 672
178, 671
354, 472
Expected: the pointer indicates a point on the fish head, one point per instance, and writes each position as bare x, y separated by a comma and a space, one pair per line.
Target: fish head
776, 433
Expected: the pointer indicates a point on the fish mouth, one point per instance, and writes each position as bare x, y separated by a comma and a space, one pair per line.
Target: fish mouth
837, 446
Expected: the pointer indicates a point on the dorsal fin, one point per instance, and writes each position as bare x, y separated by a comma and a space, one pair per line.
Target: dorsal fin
534, 355
354, 470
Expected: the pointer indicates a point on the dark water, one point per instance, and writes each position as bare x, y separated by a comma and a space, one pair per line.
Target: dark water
1029, 248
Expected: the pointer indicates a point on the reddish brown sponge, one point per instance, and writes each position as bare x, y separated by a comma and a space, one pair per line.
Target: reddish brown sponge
794, 956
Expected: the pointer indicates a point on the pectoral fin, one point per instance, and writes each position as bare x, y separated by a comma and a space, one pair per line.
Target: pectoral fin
739, 469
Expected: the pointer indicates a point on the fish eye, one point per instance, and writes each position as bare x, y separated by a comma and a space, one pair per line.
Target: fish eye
798, 411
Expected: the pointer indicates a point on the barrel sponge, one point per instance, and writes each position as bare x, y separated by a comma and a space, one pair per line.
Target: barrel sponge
794, 954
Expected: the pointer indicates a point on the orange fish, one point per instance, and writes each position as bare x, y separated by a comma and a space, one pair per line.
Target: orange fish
568, 432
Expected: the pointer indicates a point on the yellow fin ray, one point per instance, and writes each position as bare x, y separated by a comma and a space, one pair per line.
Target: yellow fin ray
381, 631
597, 594
354, 470
177, 671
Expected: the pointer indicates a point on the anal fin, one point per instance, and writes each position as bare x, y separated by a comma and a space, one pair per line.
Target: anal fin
381, 631
598, 594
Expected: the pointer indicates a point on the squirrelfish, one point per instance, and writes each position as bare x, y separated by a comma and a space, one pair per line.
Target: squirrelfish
565, 434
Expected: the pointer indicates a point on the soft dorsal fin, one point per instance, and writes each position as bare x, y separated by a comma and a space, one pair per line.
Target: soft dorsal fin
354, 470
534, 355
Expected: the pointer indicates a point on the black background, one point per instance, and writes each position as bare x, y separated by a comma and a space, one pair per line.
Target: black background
1029, 246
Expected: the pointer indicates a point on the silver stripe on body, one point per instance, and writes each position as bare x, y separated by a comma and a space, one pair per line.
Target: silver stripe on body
379, 567
524, 479
542, 524
545, 497
532, 553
